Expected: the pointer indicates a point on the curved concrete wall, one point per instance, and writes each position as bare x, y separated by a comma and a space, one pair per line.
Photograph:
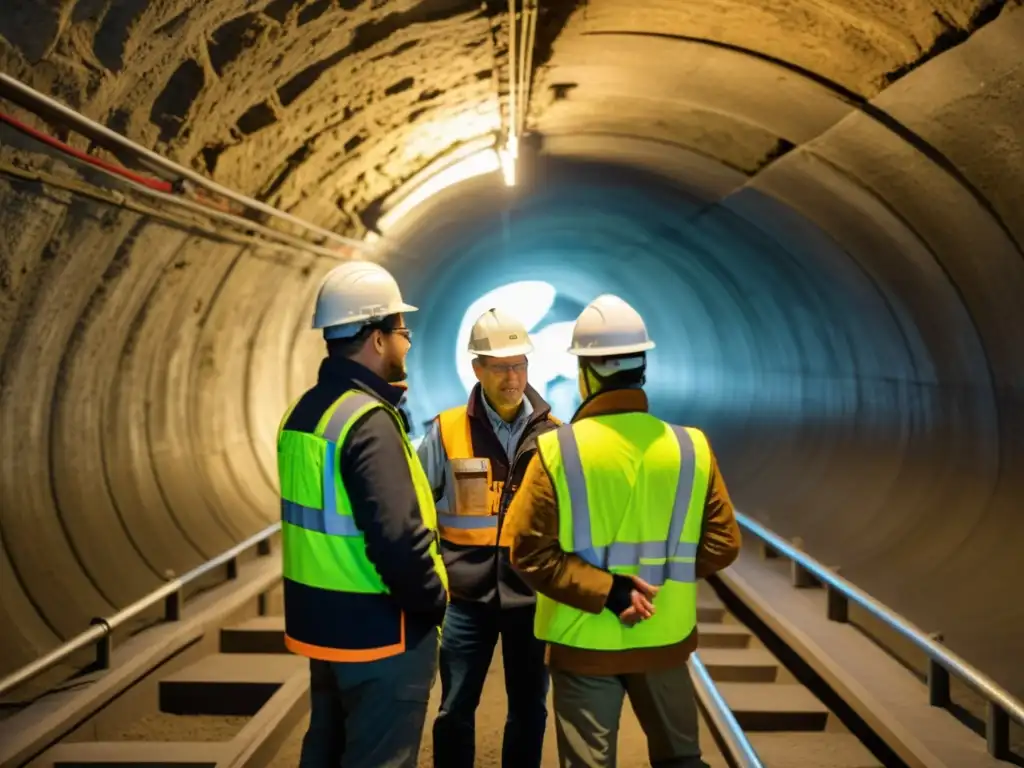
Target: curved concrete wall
847, 267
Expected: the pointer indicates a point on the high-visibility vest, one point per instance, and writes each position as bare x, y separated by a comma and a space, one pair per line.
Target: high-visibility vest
472, 495
631, 492
469, 512
323, 548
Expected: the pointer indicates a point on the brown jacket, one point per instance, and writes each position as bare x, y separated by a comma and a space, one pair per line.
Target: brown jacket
532, 521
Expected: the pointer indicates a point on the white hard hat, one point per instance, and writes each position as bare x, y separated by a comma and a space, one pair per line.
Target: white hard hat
353, 294
498, 334
609, 326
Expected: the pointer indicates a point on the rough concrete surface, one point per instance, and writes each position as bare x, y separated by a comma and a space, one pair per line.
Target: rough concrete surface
844, 321
163, 727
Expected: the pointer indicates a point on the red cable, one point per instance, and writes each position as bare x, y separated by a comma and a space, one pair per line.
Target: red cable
158, 184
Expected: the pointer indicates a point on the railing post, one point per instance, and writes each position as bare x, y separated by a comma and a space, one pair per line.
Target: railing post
767, 551
233, 568
997, 731
263, 547
838, 604
261, 604
105, 645
938, 679
800, 577
172, 606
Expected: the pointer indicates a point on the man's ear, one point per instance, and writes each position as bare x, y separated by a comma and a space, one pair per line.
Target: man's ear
378, 341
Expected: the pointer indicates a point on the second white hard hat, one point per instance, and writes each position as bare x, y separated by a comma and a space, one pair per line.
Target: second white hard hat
353, 294
496, 333
609, 326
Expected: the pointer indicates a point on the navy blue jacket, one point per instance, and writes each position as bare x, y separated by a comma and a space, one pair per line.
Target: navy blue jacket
374, 469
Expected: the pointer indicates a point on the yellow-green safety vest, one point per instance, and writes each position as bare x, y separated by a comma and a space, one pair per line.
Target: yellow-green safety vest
322, 547
631, 491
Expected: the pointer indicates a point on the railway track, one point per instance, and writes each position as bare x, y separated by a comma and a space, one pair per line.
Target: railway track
212, 685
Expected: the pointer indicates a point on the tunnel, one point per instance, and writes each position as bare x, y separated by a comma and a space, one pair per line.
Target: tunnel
817, 206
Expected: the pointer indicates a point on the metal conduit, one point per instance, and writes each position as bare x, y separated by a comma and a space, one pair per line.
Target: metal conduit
33, 100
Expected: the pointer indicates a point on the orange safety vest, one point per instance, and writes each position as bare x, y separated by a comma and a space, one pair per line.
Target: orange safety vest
474, 496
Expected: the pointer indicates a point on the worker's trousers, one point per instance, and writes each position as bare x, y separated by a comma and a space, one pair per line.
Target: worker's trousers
467, 647
370, 715
587, 711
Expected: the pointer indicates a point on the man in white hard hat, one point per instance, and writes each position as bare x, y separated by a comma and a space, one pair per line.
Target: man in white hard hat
618, 516
475, 456
365, 588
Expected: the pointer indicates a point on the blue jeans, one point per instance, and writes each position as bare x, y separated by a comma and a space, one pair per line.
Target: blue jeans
467, 645
370, 715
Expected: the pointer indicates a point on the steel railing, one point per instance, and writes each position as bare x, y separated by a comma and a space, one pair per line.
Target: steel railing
942, 663
170, 594
739, 752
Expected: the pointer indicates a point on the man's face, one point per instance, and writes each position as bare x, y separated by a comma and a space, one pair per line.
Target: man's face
392, 347
503, 379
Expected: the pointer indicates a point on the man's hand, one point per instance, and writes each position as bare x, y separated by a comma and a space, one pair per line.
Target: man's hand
641, 602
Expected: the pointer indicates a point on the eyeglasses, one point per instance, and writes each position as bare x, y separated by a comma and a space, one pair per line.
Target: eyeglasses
402, 332
504, 368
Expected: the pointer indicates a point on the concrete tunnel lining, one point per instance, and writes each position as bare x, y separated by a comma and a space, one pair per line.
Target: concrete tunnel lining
144, 368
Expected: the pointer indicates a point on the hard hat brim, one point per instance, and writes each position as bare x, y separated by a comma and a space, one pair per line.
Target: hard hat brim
624, 349
362, 319
520, 349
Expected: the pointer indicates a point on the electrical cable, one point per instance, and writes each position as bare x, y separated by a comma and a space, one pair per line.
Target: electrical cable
147, 181
165, 192
40, 104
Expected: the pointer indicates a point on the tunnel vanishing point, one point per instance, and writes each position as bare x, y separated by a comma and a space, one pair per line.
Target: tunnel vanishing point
817, 204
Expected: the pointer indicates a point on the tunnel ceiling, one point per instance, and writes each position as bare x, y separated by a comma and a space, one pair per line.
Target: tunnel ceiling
874, 143
325, 106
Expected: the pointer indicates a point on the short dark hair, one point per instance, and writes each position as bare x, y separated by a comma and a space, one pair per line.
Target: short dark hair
351, 346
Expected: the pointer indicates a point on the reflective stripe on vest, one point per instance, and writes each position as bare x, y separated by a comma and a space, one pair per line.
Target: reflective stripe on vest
657, 561
323, 549
635, 459
349, 408
469, 513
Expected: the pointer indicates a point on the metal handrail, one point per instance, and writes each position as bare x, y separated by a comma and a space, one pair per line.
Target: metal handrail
941, 661
735, 742
169, 593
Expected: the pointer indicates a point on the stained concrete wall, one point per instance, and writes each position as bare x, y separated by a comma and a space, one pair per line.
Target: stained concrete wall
853, 298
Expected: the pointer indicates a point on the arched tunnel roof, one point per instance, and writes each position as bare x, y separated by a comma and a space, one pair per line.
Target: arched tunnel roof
845, 251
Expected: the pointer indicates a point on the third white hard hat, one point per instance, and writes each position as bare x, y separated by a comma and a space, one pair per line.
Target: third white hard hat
609, 326
496, 333
353, 294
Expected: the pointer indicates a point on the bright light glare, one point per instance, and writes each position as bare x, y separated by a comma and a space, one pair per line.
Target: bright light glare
508, 168
429, 139
508, 157
477, 164
529, 300
550, 360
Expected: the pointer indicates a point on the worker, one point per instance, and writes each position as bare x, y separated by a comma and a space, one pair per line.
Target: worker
365, 588
475, 456
618, 516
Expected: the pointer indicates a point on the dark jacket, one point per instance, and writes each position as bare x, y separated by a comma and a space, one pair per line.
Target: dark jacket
479, 574
533, 523
374, 470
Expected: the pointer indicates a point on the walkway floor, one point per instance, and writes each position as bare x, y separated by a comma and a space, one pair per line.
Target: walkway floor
490, 721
